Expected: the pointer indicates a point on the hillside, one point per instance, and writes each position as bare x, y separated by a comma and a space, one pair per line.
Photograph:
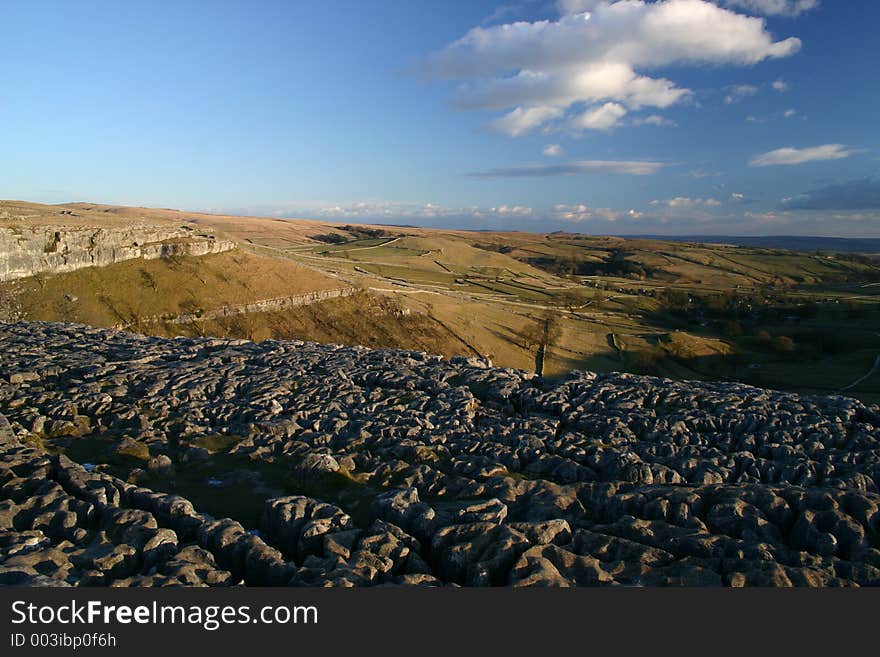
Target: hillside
867, 245
800, 321
774, 318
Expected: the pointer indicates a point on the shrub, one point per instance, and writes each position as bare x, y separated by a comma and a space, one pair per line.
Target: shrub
330, 238
362, 232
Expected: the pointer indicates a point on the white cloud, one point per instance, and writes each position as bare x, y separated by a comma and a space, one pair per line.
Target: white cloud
379, 209
686, 202
656, 120
521, 121
604, 117
792, 156
552, 150
786, 114
584, 213
577, 6
780, 85
767, 7
540, 69
511, 210
739, 92
774, 7
619, 167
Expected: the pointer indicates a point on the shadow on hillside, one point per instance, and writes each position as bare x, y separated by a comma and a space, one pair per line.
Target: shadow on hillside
809, 377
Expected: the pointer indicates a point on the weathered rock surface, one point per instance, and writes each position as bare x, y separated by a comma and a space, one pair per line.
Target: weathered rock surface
407, 469
30, 250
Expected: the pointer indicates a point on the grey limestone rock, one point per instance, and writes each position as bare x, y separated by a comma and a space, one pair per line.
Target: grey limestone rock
398, 468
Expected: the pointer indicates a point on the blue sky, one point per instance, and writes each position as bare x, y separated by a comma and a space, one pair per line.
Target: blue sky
625, 117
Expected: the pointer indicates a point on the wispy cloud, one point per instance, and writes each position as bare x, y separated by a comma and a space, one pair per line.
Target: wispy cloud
687, 202
794, 156
552, 150
655, 120
738, 198
583, 167
701, 173
506, 11
739, 92
423, 211
780, 85
580, 213
862, 194
774, 7
602, 117
523, 120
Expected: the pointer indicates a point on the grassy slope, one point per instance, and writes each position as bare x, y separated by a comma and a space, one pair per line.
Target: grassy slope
128, 292
363, 319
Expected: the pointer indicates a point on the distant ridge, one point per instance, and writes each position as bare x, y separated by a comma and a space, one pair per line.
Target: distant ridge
848, 245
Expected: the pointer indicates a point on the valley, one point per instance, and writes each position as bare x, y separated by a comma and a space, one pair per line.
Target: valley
800, 321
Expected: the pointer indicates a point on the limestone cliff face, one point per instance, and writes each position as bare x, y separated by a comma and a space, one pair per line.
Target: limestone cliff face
262, 306
26, 251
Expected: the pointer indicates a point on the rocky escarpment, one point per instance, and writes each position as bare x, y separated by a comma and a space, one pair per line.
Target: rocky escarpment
30, 250
262, 306
389, 467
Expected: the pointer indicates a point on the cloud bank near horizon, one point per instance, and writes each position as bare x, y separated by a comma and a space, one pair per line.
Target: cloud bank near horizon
582, 167
862, 194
